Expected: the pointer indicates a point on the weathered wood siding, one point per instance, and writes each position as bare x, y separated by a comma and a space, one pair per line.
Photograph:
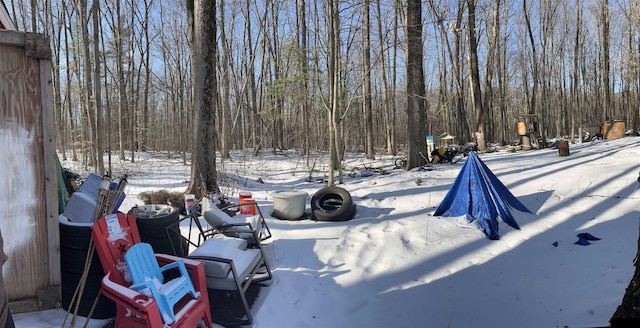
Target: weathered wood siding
28, 215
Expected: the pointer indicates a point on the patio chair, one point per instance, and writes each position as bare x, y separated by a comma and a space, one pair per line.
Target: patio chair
228, 225
230, 265
113, 235
148, 278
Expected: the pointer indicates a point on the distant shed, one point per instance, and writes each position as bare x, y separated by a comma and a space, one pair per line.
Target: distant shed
29, 212
613, 129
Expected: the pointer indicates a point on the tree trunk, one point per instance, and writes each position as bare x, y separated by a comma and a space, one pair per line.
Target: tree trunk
88, 85
575, 99
68, 58
121, 83
99, 131
225, 117
606, 62
476, 93
385, 106
303, 64
392, 137
534, 61
332, 75
458, 60
491, 54
201, 15
474, 78
68, 54
366, 86
416, 115
56, 38
144, 121
132, 116
252, 117
459, 116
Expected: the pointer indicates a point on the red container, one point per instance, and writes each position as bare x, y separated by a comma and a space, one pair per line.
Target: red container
247, 209
243, 195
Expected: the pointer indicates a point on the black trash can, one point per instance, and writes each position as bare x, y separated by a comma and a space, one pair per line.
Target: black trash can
74, 246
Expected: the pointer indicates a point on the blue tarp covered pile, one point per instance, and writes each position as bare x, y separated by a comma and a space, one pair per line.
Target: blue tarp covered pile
479, 195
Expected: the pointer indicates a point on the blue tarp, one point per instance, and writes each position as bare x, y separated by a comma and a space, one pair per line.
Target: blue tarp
479, 195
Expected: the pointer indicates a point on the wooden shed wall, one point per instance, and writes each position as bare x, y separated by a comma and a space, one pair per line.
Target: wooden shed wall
28, 215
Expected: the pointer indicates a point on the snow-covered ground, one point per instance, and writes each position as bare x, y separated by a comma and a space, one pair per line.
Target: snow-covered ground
396, 265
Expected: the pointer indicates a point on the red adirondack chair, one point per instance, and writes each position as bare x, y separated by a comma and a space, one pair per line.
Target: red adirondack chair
113, 235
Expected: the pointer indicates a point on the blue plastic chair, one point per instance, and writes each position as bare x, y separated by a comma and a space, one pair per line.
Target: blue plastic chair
147, 278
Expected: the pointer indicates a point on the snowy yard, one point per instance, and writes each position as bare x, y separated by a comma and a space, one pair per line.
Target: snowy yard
396, 265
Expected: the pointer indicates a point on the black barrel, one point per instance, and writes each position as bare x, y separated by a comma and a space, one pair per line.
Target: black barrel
74, 246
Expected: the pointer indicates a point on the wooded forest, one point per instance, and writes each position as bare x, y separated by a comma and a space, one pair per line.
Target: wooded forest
305, 74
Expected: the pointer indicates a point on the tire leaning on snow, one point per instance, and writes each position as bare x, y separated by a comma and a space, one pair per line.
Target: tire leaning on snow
332, 204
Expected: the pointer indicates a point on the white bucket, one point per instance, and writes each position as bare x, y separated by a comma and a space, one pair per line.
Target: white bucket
289, 205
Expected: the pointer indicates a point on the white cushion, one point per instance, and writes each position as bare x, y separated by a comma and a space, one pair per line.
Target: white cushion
244, 266
242, 219
218, 274
215, 216
222, 247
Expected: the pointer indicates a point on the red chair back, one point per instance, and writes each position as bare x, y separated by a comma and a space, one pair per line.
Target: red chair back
113, 235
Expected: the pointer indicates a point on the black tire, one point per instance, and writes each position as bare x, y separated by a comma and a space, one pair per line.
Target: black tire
400, 163
153, 221
74, 246
321, 215
332, 204
158, 212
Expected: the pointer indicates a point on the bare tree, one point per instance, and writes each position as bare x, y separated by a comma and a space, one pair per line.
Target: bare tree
303, 64
334, 89
366, 86
225, 108
70, 53
458, 120
575, 99
606, 62
89, 99
143, 122
99, 131
416, 113
121, 82
534, 61
474, 79
250, 114
201, 16
56, 28
388, 111
491, 56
